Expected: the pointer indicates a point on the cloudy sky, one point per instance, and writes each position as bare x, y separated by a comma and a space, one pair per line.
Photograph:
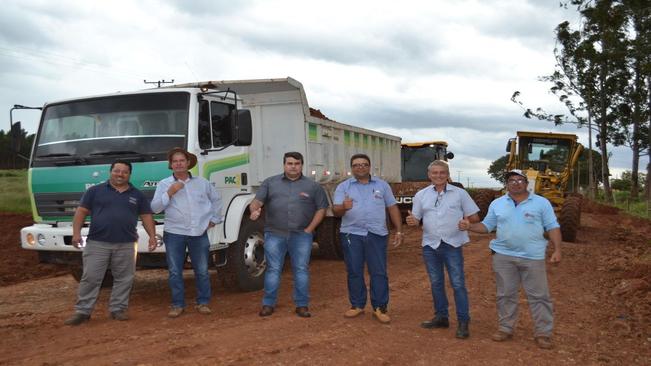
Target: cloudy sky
422, 70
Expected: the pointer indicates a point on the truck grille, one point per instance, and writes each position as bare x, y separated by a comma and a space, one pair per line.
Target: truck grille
64, 204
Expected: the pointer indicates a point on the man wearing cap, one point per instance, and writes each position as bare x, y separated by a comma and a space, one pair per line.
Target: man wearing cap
192, 206
441, 206
522, 219
362, 201
294, 207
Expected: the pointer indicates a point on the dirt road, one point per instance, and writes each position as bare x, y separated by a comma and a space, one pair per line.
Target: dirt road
601, 291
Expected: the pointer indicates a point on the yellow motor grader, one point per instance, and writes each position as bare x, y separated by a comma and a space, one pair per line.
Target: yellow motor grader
549, 160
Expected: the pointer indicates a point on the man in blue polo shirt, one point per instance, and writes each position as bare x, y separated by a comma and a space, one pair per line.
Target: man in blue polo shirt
521, 218
114, 208
362, 201
294, 207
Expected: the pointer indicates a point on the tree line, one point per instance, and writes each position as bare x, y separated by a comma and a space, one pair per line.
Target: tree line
602, 77
14, 152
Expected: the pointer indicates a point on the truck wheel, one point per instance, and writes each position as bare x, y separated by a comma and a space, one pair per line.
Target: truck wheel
570, 218
78, 271
483, 199
327, 236
246, 264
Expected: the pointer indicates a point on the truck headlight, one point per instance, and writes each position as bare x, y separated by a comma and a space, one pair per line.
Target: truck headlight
41, 239
30, 239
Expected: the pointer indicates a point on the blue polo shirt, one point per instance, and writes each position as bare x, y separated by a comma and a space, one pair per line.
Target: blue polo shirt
369, 206
520, 228
114, 215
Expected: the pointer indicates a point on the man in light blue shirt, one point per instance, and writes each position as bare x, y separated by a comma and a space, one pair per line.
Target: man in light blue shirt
192, 206
521, 219
362, 202
441, 206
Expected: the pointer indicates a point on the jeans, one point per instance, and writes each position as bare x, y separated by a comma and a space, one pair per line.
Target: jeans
97, 257
198, 247
452, 259
510, 272
372, 249
299, 246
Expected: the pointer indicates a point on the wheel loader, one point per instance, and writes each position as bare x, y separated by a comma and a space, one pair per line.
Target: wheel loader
549, 160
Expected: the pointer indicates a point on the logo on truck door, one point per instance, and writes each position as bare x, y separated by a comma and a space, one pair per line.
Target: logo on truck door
232, 180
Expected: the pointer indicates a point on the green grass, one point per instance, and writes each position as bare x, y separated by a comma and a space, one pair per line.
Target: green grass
634, 207
14, 195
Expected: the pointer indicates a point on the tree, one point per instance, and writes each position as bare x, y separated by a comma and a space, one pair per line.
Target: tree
498, 168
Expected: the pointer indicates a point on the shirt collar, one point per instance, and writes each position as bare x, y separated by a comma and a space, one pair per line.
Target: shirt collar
189, 174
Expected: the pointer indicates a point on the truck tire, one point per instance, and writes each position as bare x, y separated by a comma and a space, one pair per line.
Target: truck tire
246, 265
327, 236
483, 199
78, 271
570, 218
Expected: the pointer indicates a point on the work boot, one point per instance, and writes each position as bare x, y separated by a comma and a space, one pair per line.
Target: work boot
381, 315
203, 309
436, 322
175, 312
462, 330
303, 312
501, 336
77, 319
353, 312
266, 310
544, 342
119, 315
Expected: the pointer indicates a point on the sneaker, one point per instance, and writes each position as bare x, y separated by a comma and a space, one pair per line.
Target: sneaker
544, 342
119, 315
175, 312
436, 322
353, 312
381, 315
77, 319
501, 336
203, 309
462, 330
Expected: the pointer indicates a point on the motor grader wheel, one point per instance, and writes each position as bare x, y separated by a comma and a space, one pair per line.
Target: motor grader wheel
570, 218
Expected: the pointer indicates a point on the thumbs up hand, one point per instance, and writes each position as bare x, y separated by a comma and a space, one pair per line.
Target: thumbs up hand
411, 219
348, 203
464, 224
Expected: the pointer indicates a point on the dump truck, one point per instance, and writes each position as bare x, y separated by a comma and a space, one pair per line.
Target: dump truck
548, 160
238, 129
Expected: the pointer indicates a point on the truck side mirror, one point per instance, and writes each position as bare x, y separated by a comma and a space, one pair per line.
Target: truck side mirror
449, 156
243, 129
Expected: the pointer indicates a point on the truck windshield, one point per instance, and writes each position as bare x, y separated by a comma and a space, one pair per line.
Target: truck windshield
140, 127
416, 159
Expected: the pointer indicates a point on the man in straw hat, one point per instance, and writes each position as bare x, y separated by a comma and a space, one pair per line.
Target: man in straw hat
192, 206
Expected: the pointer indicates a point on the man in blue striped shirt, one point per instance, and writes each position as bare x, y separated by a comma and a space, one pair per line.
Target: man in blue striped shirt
192, 206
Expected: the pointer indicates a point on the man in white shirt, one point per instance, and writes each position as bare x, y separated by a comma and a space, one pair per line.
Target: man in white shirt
192, 206
441, 206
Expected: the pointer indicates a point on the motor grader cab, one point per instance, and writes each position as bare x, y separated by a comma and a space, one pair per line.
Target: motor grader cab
548, 160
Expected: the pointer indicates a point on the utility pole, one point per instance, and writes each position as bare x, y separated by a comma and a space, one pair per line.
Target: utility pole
159, 82
459, 175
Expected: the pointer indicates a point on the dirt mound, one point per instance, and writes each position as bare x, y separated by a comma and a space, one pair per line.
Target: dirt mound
17, 264
598, 208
